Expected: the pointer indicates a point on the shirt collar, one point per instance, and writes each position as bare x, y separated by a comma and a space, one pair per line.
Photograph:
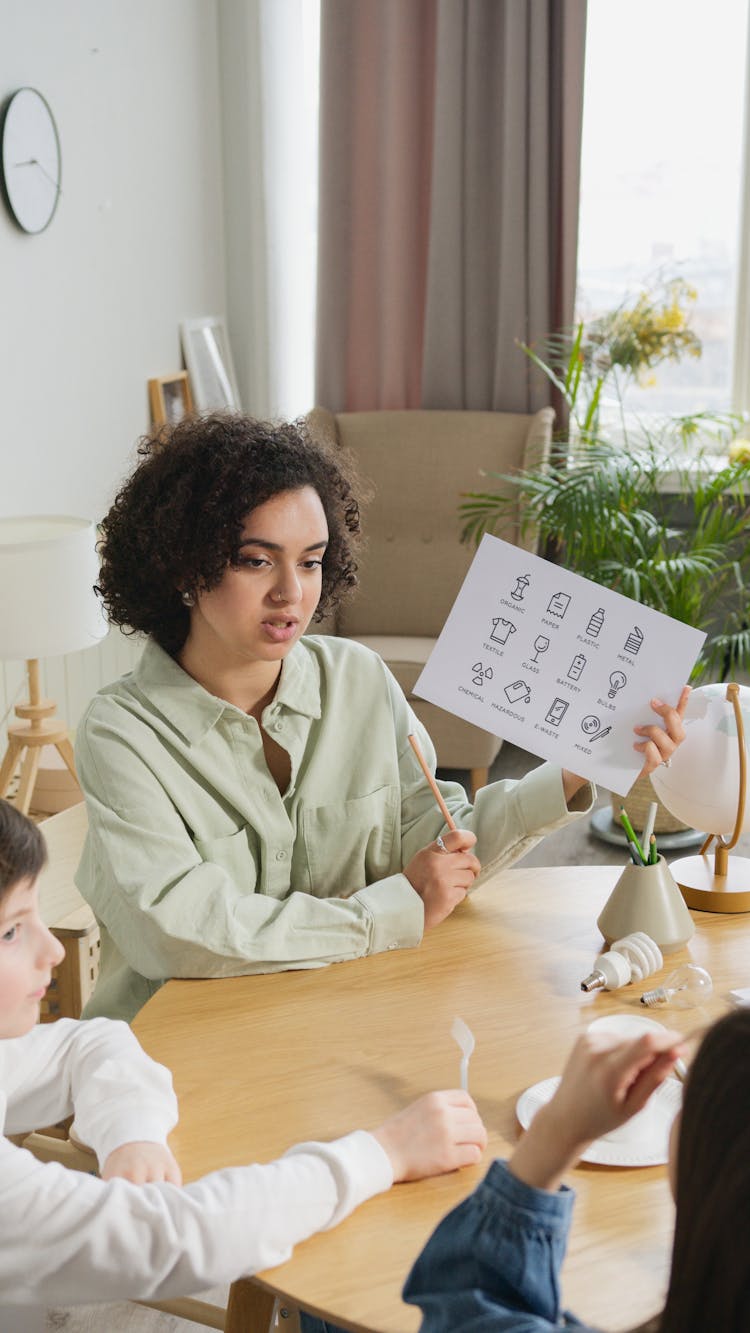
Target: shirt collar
193, 711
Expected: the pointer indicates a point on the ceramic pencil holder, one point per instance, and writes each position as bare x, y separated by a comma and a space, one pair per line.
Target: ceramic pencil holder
647, 898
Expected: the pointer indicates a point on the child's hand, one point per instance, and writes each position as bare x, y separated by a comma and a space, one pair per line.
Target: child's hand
141, 1163
605, 1082
440, 1132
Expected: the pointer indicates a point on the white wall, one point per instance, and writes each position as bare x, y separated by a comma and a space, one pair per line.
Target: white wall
89, 309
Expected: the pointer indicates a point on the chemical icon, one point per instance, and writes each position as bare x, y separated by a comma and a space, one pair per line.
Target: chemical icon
519, 690
541, 644
481, 673
633, 642
594, 626
522, 583
502, 629
556, 712
575, 670
558, 604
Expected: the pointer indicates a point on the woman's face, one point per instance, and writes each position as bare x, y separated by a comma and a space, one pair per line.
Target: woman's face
263, 606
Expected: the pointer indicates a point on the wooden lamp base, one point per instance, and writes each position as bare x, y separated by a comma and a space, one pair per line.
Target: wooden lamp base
26, 742
706, 891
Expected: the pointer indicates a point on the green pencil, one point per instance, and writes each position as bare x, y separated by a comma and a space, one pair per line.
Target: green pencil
628, 827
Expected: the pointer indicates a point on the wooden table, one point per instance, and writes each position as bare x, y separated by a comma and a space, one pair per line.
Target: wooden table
263, 1062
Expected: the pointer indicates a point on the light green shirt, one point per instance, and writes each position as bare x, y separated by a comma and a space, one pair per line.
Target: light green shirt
197, 866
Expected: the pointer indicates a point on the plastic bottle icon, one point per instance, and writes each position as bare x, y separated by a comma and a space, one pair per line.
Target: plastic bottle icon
595, 623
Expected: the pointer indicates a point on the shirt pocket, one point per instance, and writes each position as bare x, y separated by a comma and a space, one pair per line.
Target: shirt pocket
236, 854
351, 843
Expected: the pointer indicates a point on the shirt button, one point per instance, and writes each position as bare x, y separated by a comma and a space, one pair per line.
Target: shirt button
392, 946
278, 726
281, 856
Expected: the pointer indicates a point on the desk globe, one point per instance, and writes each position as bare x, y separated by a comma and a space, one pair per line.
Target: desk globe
705, 785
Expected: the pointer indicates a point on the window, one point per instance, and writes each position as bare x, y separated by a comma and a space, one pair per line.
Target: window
661, 176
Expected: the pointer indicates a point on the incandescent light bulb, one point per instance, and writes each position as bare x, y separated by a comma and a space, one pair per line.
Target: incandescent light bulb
684, 988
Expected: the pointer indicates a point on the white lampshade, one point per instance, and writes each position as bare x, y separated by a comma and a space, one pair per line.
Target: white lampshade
48, 568
701, 785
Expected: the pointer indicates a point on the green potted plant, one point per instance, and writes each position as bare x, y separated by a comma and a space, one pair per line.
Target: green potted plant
601, 507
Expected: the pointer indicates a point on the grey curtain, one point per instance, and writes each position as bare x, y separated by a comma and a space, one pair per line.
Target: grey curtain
504, 202
377, 60
449, 172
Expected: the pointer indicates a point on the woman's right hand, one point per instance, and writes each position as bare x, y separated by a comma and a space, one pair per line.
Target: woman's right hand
440, 1132
443, 878
606, 1081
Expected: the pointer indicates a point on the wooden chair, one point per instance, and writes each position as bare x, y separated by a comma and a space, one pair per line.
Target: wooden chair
249, 1310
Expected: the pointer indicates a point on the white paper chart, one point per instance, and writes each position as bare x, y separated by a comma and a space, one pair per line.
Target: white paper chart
556, 664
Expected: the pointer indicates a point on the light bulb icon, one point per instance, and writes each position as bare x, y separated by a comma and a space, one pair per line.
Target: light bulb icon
684, 988
617, 681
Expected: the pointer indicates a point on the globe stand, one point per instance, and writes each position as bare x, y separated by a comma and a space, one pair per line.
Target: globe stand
723, 886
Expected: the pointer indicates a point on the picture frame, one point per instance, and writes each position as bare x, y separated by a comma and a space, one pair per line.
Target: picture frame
205, 347
170, 398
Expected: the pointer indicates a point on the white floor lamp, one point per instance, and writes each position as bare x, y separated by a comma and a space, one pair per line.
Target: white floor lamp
48, 566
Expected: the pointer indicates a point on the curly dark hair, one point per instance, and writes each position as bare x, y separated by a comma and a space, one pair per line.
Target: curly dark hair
176, 524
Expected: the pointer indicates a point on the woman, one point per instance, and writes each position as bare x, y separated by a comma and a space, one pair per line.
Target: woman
494, 1262
253, 801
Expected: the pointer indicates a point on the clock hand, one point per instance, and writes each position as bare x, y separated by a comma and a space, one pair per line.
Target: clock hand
34, 162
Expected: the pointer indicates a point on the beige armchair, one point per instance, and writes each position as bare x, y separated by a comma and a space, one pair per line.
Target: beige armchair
418, 464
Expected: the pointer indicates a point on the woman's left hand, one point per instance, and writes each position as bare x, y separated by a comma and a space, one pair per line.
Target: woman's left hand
658, 746
661, 741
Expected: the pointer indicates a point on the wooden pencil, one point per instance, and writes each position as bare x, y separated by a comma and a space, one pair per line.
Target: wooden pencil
447, 816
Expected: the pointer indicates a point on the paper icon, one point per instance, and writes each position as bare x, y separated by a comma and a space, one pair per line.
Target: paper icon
558, 604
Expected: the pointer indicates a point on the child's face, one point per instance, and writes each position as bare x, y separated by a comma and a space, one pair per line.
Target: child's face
28, 952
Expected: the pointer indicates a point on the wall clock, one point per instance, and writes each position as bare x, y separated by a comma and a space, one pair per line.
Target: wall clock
31, 160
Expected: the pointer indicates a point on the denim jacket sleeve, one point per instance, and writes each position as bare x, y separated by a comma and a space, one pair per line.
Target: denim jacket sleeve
493, 1264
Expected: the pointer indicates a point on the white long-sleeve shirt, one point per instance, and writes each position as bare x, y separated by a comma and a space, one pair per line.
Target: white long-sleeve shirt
68, 1238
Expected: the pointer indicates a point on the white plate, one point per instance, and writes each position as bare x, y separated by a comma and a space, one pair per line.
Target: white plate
647, 1142
626, 1025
